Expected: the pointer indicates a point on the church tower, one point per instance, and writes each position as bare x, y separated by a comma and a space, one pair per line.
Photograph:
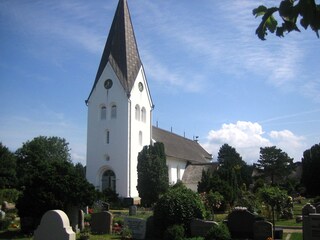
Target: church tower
119, 111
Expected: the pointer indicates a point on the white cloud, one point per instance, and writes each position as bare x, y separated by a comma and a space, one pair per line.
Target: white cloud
248, 137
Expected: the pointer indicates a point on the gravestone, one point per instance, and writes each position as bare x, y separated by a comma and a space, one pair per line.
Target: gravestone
54, 225
2, 215
200, 228
311, 223
307, 209
262, 230
137, 227
73, 215
101, 222
240, 223
81, 220
132, 210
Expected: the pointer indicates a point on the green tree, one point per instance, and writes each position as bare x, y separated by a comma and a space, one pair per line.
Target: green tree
290, 11
275, 198
53, 181
233, 169
310, 170
33, 155
211, 181
153, 178
274, 164
8, 177
179, 205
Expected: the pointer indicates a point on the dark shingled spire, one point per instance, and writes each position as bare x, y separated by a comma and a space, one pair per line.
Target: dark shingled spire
121, 49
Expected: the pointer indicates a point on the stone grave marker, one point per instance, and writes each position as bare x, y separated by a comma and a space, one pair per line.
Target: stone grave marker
240, 223
54, 225
137, 226
101, 222
132, 210
81, 220
262, 230
73, 215
200, 228
307, 209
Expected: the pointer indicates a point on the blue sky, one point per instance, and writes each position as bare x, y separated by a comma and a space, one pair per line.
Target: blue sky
208, 73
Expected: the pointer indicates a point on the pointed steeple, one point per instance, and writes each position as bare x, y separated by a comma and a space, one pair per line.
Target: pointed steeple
121, 49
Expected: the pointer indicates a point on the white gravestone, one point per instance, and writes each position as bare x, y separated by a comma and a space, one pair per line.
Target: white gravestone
54, 225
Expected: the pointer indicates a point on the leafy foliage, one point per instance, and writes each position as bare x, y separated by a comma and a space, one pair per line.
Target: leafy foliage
275, 198
218, 232
310, 170
9, 195
174, 232
153, 178
233, 169
289, 12
50, 180
274, 164
178, 206
8, 177
211, 181
33, 156
233, 173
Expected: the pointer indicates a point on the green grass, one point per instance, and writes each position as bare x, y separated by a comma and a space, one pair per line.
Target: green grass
294, 236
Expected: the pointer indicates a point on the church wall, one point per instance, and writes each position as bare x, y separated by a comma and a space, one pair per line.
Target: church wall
139, 126
176, 168
101, 155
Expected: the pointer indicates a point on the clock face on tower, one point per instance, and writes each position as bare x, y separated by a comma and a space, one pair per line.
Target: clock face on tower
140, 86
108, 83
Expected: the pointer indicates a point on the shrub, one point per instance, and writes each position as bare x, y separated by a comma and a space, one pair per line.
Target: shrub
218, 232
174, 232
9, 195
178, 206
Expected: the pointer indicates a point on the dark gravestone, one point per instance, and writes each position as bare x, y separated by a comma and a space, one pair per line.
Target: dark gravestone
137, 227
101, 222
132, 210
200, 228
262, 230
240, 224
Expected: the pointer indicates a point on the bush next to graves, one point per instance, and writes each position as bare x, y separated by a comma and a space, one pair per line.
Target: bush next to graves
178, 206
175, 232
9, 195
218, 232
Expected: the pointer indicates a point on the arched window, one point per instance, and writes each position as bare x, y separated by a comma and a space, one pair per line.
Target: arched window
143, 114
114, 111
103, 113
137, 113
107, 136
108, 180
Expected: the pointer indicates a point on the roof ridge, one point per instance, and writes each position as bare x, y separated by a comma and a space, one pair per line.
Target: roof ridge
176, 134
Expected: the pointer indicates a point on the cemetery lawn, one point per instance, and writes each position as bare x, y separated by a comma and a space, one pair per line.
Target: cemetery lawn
293, 236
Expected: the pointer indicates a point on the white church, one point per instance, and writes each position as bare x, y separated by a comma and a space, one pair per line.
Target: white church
120, 119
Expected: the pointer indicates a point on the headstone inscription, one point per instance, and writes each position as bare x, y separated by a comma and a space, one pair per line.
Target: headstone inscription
54, 225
